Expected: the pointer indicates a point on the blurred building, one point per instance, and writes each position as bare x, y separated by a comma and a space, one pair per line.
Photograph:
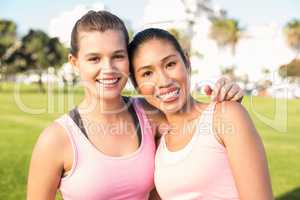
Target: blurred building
261, 47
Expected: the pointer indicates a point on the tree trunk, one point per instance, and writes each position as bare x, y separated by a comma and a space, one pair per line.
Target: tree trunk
1, 74
40, 83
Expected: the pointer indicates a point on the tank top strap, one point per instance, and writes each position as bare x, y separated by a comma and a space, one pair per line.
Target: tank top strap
206, 128
209, 113
144, 121
71, 130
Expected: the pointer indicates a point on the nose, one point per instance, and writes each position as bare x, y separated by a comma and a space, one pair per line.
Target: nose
164, 79
106, 65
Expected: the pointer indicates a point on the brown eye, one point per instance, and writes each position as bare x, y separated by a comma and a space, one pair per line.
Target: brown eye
119, 56
94, 59
147, 74
171, 64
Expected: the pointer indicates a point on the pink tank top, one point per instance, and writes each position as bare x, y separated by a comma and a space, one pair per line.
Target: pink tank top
96, 176
200, 170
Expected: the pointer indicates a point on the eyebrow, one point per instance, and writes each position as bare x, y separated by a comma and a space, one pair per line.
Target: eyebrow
167, 57
92, 54
120, 51
144, 68
115, 52
150, 66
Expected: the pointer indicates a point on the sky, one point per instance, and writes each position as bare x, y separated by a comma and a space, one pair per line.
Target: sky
252, 12
262, 19
39, 13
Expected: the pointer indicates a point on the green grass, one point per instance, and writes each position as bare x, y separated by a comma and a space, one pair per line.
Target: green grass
19, 131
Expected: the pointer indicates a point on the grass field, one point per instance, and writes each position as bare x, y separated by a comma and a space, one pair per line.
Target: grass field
19, 131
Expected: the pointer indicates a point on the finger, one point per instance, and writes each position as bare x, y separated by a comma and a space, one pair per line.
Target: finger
216, 89
239, 96
232, 92
224, 90
207, 90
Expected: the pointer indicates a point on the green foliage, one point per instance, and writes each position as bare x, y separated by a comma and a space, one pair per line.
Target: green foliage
291, 69
292, 33
181, 37
7, 36
39, 51
225, 32
229, 72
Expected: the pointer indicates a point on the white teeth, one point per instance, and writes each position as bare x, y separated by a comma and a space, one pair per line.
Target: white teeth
175, 93
108, 82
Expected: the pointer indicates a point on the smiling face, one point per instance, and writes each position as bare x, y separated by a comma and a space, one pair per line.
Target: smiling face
161, 75
102, 62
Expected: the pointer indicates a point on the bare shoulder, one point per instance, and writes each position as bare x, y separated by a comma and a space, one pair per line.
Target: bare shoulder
53, 134
231, 111
47, 162
52, 141
231, 120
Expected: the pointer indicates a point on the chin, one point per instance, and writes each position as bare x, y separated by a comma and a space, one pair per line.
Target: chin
171, 109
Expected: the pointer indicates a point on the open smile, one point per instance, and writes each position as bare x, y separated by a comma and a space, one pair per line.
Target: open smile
108, 82
169, 95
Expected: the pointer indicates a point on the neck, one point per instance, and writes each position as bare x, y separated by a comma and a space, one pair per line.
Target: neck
102, 109
187, 113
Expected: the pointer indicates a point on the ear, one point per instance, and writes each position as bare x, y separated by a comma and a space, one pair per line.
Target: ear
74, 62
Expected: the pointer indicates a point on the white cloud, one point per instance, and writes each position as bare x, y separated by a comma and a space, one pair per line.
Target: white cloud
159, 13
61, 26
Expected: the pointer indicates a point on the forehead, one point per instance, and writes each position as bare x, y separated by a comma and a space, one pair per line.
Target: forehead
153, 50
101, 42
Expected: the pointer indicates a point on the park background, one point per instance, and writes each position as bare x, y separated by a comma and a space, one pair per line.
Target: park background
254, 43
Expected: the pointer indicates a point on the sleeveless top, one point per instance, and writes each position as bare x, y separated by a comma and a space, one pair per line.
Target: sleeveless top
201, 170
96, 176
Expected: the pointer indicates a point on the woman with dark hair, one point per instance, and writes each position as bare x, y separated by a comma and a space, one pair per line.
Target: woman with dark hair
208, 151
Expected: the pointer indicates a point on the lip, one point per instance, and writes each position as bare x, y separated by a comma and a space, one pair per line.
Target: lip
108, 82
167, 90
169, 95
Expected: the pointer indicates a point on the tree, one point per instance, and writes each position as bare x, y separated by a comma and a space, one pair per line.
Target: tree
292, 33
181, 38
229, 72
226, 32
37, 52
290, 70
8, 36
7, 40
194, 9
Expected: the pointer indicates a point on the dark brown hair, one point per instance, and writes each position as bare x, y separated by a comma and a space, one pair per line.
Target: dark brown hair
149, 34
96, 21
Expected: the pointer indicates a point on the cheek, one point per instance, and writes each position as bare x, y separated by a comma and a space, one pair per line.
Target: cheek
123, 67
86, 71
181, 74
146, 88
